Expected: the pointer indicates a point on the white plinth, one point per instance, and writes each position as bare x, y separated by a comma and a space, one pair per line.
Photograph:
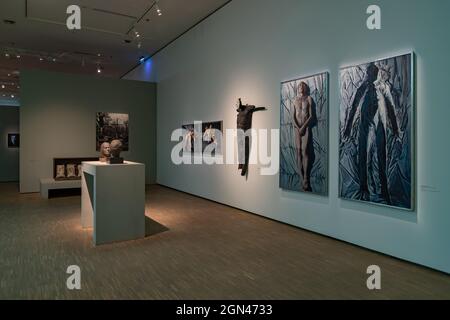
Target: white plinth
113, 200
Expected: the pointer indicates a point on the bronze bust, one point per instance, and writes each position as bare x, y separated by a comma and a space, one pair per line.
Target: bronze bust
115, 149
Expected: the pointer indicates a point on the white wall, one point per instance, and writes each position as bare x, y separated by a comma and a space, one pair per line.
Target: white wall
9, 157
249, 47
58, 114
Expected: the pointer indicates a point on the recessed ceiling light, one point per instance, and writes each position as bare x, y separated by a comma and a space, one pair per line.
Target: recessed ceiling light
12, 96
9, 74
3, 86
41, 59
7, 55
18, 56
54, 59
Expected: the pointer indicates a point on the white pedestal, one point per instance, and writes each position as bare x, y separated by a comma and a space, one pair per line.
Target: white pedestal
113, 201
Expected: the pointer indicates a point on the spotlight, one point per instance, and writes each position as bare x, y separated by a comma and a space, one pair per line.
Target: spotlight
3, 86
41, 59
54, 59
18, 56
99, 69
12, 96
6, 55
158, 10
9, 74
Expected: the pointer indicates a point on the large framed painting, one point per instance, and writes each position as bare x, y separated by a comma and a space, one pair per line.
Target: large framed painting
112, 126
208, 137
304, 134
376, 151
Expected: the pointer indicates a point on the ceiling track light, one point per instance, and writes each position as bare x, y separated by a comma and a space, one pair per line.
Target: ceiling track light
158, 9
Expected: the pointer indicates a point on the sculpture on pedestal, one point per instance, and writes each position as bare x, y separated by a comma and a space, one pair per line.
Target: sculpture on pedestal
115, 149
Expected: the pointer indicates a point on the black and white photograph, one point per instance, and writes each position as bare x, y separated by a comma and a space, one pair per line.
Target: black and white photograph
209, 140
112, 126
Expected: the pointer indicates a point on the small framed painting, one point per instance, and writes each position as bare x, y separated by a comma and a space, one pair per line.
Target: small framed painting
13, 140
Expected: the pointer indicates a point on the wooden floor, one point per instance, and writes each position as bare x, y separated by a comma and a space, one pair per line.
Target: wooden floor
196, 249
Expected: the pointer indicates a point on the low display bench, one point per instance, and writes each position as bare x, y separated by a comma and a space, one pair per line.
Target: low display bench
49, 184
66, 177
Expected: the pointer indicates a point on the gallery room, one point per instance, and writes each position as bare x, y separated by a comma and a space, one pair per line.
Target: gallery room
224, 150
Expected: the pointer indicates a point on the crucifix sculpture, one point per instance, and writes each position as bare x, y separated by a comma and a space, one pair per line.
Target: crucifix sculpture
244, 123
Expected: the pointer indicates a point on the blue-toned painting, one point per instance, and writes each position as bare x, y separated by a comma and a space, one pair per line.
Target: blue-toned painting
304, 134
376, 132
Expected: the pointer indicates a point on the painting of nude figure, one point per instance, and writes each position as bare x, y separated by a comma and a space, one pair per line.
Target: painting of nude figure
376, 132
304, 134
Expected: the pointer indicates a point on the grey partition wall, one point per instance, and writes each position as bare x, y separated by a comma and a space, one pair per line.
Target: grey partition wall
58, 120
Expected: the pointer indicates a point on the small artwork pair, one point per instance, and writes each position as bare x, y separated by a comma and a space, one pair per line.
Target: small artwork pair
202, 139
376, 130
68, 172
